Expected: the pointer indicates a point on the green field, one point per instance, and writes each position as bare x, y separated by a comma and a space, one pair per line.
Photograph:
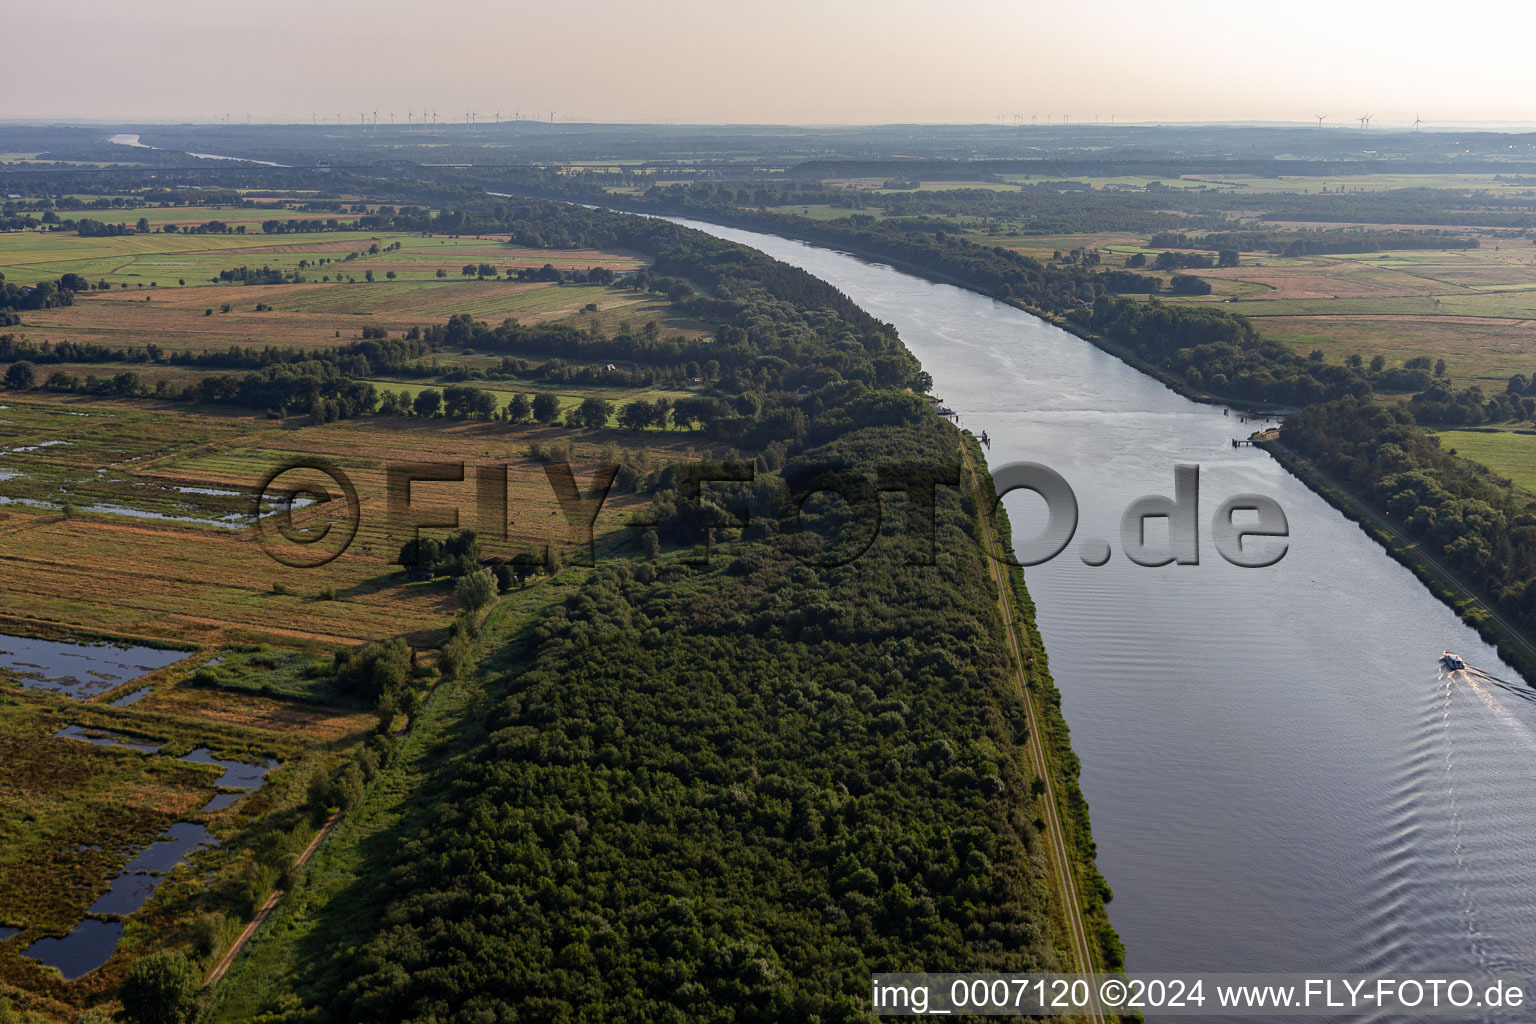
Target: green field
1507, 453
570, 395
139, 259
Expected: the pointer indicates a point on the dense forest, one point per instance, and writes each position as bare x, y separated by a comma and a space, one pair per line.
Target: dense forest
728, 793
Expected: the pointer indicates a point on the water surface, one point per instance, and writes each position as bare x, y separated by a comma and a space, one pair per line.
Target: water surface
80, 952
105, 738
79, 670
237, 774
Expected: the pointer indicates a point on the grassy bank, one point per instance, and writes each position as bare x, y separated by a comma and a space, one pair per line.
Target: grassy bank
1094, 892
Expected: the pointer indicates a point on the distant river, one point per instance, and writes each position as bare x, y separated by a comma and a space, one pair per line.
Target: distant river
1281, 778
129, 139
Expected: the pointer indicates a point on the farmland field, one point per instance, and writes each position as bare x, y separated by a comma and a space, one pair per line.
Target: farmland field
1474, 308
148, 303
1485, 351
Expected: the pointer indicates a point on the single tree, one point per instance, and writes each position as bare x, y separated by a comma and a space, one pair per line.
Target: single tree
593, 413
546, 408
637, 415
428, 402
21, 375
160, 989
475, 590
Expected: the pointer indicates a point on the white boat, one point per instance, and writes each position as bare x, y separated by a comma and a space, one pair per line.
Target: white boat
1452, 661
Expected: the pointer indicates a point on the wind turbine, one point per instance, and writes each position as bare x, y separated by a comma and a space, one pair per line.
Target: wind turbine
1364, 120
1417, 120
1319, 119
391, 117
410, 117
498, 116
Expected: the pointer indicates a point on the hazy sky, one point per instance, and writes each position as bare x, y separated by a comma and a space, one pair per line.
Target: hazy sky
790, 61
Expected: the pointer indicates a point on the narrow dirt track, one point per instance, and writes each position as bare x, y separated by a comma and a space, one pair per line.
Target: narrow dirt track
1066, 883
222, 967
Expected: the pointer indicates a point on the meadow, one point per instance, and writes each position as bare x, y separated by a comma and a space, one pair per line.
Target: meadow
166, 258
149, 305
1508, 453
1377, 182
1474, 308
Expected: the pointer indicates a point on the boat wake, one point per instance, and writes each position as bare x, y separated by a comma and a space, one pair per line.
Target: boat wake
1477, 676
